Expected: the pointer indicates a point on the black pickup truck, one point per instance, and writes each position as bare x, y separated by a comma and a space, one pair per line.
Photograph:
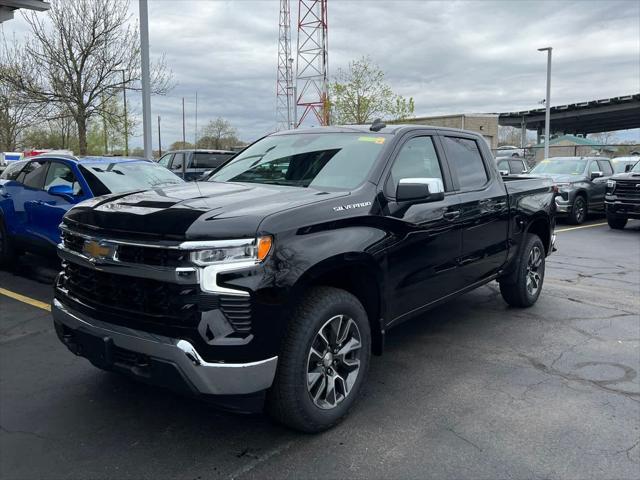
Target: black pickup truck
278, 277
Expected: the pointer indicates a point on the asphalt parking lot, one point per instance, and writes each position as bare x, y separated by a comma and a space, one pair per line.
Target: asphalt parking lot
471, 390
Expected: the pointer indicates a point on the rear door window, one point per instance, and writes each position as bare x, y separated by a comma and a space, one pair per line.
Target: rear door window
210, 160
466, 161
33, 174
516, 166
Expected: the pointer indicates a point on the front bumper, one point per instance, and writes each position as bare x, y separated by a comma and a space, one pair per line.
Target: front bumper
563, 206
156, 359
622, 208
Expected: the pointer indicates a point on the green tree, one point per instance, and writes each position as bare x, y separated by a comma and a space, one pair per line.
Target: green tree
180, 145
359, 95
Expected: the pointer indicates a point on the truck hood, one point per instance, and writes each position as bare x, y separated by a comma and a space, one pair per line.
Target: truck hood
561, 177
195, 210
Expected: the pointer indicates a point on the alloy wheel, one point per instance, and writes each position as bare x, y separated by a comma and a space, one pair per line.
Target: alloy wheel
534, 271
580, 210
333, 363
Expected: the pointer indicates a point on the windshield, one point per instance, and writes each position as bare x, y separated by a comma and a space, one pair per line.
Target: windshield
566, 166
104, 178
620, 165
636, 168
321, 160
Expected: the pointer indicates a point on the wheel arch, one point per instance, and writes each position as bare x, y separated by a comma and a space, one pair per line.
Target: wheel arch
356, 273
541, 227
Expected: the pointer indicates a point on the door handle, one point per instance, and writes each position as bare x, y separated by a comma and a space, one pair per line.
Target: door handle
451, 215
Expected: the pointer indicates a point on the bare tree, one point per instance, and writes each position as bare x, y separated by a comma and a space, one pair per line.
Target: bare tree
76, 57
218, 134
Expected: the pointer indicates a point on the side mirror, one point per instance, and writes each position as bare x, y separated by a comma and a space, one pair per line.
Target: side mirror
627, 168
595, 175
64, 191
504, 173
420, 190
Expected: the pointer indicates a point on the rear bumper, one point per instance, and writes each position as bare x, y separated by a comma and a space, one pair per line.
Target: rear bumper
155, 359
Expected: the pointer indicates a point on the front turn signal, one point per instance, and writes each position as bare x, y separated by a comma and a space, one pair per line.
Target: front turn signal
264, 247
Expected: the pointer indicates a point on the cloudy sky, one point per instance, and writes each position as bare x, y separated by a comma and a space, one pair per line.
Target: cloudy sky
451, 57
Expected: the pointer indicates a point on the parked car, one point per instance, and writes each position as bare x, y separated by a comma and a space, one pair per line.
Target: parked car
623, 164
7, 157
36, 193
581, 184
510, 151
512, 165
622, 199
279, 276
196, 163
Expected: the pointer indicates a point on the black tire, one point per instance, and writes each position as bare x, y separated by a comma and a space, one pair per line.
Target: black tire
289, 400
616, 222
516, 288
579, 210
7, 251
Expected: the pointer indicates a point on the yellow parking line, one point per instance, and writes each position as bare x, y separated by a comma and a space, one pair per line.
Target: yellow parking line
27, 300
583, 226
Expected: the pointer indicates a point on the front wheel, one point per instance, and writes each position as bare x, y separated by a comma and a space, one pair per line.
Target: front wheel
616, 222
578, 212
523, 286
323, 361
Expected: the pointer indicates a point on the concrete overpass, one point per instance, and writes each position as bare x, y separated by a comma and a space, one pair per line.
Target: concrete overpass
8, 7
606, 115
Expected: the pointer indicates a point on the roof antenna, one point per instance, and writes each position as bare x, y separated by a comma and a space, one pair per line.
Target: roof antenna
377, 125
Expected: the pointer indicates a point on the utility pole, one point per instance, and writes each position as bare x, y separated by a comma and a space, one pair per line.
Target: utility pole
547, 114
146, 79
159, 139
195, 137
183, 129
104, 128
126, 121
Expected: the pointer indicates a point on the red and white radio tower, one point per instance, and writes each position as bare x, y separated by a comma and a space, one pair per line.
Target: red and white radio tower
285, 102
311, 73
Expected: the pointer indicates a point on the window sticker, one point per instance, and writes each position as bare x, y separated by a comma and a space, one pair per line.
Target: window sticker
377, 140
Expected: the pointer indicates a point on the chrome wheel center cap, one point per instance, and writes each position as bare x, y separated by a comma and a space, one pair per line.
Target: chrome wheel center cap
327, 360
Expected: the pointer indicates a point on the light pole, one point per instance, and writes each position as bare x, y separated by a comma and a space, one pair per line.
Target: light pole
547, 113
146, 81
126, 123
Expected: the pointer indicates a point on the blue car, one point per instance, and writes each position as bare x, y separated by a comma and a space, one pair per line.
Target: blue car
36, 193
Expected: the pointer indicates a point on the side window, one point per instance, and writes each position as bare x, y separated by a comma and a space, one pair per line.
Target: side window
61, 174
593, 167
504, 165
176, 164
465, 159
605, 167
33, 174
517, 166
209, 160
12, 171
417, 159
165, 160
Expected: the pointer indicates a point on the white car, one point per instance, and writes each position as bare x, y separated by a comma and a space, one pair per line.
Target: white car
509, 151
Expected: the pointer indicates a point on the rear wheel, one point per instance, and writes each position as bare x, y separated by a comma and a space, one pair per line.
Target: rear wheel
323, 361
578, 211
523, 286
616, 222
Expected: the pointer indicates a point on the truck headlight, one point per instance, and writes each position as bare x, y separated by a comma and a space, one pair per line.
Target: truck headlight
231, 251
564, 187
611, 186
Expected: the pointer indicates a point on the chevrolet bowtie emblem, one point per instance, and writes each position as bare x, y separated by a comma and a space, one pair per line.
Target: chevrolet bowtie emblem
95, 250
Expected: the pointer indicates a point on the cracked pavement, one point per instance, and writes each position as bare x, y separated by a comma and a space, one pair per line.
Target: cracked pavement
470, 390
